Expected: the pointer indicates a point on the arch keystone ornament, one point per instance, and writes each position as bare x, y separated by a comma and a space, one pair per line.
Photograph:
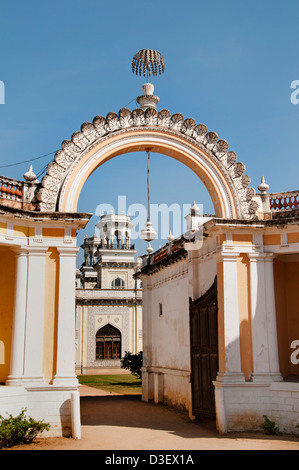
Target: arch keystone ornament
145, 127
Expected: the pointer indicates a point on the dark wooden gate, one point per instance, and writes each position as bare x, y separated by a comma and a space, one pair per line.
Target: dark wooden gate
204, 352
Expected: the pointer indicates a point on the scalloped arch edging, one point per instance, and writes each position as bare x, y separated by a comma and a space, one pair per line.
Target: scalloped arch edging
102, 128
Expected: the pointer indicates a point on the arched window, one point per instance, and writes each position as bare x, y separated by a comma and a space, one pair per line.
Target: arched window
108, 343
118, 283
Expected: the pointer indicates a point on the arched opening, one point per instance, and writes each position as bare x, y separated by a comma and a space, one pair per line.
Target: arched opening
118, 283
120, 185
205, 167
108, 343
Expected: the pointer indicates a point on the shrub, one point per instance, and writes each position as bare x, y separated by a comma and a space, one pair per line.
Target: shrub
269, 426
19, 429
132, 362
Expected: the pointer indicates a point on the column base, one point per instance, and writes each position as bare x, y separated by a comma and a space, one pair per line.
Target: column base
14, 381
65, 381
25, 381
230, 377
264, 377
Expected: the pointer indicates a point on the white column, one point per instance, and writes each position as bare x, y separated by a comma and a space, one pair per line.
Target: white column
231, 322
271, 320
65, 367
34, 335
263, 317
18, 332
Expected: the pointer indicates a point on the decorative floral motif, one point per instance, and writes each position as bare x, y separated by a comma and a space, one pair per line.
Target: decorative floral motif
138, 117
112, 122
99, 123
125, 118
176, 121
151, 117
188, 126
164, 117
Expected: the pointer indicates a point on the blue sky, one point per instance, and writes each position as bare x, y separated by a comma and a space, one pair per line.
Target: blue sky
229, 65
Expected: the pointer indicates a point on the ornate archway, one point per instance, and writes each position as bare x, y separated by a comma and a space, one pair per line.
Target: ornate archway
202, 151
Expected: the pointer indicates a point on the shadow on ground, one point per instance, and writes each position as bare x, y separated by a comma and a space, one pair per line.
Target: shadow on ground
129, 411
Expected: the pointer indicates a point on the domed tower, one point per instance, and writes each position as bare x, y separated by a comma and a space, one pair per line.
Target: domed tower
115, 231
115, 255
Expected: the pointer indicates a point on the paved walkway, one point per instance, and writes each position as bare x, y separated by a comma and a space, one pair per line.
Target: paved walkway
116, 422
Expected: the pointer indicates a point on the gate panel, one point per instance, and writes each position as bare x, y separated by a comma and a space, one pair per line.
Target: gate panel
204, 352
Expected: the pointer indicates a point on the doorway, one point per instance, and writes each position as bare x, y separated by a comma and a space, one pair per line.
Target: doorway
108, 343
204, 352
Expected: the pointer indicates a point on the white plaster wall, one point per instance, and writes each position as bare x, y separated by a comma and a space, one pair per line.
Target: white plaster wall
245, 405
166, 373
207, 270
51, 406
177, 391
170, 339
12, 400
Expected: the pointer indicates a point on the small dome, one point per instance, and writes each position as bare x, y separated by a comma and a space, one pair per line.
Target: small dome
30, 175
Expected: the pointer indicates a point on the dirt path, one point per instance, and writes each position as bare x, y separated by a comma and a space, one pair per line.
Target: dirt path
116, 422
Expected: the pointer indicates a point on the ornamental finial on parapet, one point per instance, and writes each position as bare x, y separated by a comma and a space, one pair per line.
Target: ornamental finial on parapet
148, 62
263, 187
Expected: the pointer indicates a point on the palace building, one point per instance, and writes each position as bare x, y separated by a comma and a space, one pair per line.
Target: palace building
108, 298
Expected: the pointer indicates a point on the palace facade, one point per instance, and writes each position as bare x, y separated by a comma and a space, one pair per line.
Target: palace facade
108, 298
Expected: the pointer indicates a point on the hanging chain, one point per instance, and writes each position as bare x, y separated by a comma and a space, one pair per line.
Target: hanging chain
148, 191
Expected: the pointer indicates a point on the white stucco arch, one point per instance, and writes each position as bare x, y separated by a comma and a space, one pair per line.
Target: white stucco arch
128, 131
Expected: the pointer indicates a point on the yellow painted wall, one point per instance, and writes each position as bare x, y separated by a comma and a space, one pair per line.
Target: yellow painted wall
242, 239
51, 313
293, 237
286, 279
243, 271
7, 287
271, 239
53, 232
21, 231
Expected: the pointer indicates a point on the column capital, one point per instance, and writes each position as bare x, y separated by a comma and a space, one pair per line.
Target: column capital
261, 256
257, 256
36, 250
29, 250
270, 257
67, 251
224, 255
19, 250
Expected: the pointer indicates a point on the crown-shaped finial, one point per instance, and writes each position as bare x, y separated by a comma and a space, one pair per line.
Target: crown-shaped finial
148, 62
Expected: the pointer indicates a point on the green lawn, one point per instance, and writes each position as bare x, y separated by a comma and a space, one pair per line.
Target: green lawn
124, 384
